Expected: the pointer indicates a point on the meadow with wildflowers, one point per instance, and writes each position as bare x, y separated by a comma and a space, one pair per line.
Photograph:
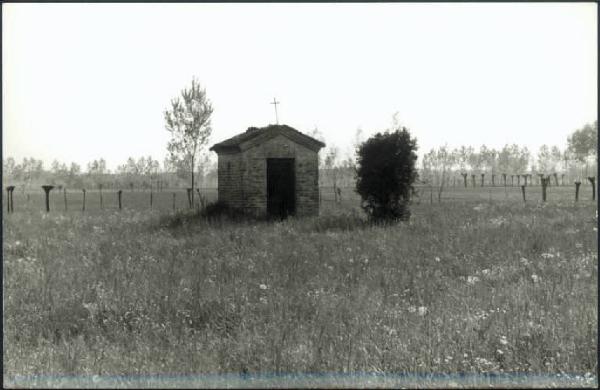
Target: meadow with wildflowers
469, 288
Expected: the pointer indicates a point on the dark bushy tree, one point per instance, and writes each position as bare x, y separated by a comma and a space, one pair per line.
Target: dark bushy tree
385, 174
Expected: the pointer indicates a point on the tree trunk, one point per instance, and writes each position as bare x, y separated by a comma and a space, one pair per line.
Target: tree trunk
577, 184
119, 193
493, 180
464, 175
473, 179
555, 178
523, 191
83, 209
482, 176
518, 180
65, 195
504, 178
192, 197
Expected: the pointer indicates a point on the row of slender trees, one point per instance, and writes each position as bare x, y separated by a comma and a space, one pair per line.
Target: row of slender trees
143, 173
577, 161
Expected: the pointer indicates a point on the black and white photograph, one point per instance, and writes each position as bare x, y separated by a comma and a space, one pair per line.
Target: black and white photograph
300, 195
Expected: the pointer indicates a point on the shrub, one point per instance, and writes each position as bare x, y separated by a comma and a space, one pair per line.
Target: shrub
385, 174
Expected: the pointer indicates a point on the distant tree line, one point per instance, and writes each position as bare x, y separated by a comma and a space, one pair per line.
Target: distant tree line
144, 173
514, 165
442, 166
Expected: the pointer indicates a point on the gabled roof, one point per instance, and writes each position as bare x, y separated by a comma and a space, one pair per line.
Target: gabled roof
234, 144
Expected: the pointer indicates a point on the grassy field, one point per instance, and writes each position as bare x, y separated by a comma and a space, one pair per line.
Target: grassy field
470, 292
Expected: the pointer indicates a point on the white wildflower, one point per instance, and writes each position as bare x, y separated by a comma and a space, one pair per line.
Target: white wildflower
535, 278
437, 259
503, 340
412, 309
472, 279
262, 286
422, 310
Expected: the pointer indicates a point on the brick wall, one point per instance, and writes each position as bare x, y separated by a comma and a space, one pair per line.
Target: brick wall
243, 176
230, 189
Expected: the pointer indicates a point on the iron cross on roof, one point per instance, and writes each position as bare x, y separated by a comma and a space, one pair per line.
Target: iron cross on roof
275, 103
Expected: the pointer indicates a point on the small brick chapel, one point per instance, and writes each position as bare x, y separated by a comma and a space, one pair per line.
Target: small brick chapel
273, 170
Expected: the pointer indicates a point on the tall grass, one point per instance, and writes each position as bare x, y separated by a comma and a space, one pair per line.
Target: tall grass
461, 288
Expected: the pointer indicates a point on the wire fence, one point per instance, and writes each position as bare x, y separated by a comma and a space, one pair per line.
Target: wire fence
173, 199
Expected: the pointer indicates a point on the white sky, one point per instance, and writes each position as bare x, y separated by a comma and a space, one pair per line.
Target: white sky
84, 81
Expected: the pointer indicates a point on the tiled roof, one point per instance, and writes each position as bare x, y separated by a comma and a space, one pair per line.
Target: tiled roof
233, 143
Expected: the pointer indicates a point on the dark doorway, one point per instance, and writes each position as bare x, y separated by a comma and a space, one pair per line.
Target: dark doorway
281, 187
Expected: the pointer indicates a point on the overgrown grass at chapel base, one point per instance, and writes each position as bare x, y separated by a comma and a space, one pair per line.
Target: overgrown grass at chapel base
466, 288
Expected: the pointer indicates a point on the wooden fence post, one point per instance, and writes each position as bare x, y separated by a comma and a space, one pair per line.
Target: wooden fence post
83, 209
189, 194
151, 198
577, 184
47, 190
9, 199
200, 199
545, 182
592, 181
119, 194
523, 191
101, 204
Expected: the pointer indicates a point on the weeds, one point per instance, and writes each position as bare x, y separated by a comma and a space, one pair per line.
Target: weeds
453, 291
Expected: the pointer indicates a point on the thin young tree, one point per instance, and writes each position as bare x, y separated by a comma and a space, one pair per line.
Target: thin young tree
188, 121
